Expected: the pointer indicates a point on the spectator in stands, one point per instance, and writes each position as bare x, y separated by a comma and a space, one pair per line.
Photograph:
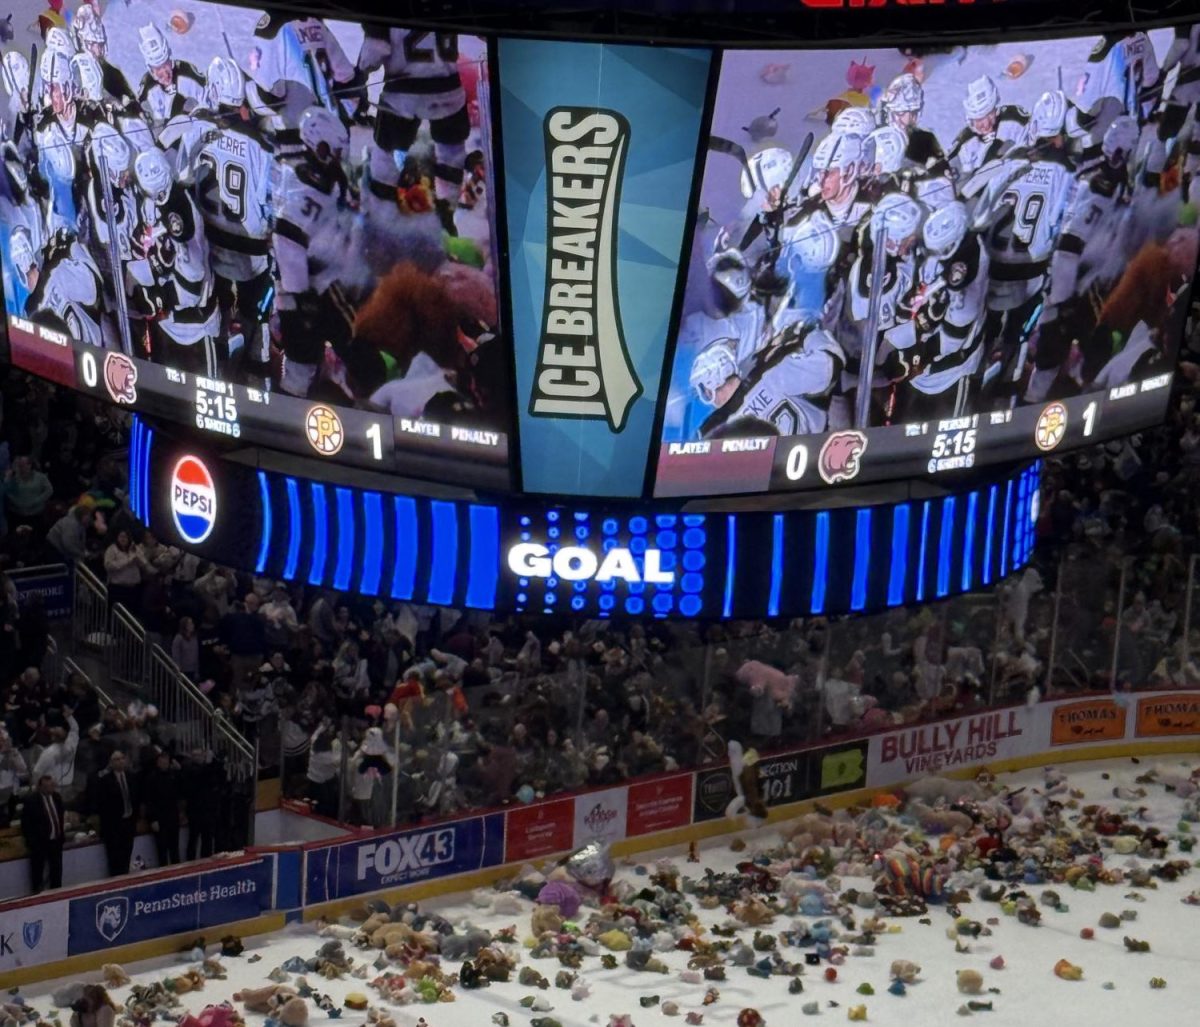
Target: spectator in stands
161, 792
216, 587
68, 535
57, 760
185, 648
123, 566
324, 768
14, 774
201, 783
44, 826
244, 635
26, 493
116, 804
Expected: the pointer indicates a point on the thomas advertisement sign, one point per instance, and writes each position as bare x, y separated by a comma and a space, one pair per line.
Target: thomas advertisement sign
165, 907
394, 860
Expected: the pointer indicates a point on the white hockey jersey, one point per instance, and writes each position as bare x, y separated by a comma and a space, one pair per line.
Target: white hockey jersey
312, 237
161, 103
1091, 232
420, 71
232, 167
1122, 73
1184, 54
69, 288
971, 151
789, 387
964, 277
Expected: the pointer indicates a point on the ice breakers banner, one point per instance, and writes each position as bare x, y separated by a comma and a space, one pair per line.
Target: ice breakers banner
599, 152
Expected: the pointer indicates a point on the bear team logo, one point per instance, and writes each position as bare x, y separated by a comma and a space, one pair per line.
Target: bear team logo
193, 500
120, 378
1051, 427
323, 429
841, 456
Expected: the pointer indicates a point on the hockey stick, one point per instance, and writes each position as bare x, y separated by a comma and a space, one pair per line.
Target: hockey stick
114, 255
866, 367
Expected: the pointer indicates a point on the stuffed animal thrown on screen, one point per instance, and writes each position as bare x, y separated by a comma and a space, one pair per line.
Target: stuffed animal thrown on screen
748, 798
439, 322
905, 882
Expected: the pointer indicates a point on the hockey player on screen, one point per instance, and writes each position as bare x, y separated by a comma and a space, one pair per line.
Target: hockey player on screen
109, 151
992, 128
171, 266
1183, 59
421, 85
60, 136
91, 37
835, 166
786, 391
1021, 211
901, 106
230, 163
64, 288
310, 245
1091, 236
18, 114
170, 87
893, 342
947, 315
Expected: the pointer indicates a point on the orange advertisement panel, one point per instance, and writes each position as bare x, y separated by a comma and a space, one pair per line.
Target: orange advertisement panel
1168, 715
1092, 720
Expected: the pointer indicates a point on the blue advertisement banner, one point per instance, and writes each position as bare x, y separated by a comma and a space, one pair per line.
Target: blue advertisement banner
394, 860
51, 583
179, 905
599, 157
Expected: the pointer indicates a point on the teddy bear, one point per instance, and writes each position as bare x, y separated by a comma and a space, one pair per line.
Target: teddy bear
93, 1008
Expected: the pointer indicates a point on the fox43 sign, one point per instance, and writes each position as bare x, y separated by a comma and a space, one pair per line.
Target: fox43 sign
394, 860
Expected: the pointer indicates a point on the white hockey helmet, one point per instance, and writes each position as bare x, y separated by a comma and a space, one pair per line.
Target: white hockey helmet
14, 67
982, 98
713, 367
317, 126
839, 151
153, 174
21, 251
87, 72
815, 241
1049, 116
900, 215
904, 94
56, 70
155, 49
111, 151
225, 82
945, 229
1120, 139
87, 28
857, 121
935, 193
59, 40
890, 146
766, 169
729, 270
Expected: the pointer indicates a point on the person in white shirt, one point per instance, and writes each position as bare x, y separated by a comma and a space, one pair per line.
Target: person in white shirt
57, 760
14, 772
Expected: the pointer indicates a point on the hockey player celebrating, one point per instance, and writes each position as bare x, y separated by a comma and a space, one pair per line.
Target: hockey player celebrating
1022, 210
64, 288
835, 165
18, 115
421, 85
947, 315
170, 87
171, 265
786, 391
902, 104
91, 37
992, 128
310, 246
112, 204
59, 136
230, 163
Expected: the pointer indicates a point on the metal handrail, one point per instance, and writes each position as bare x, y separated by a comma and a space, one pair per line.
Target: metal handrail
89, 620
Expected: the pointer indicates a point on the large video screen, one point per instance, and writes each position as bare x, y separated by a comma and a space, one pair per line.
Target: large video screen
276, 230
910, 263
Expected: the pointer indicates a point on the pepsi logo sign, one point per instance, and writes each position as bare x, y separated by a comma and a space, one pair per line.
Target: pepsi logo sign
193, 499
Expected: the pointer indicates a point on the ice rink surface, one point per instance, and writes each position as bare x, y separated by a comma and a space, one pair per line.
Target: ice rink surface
1026, 992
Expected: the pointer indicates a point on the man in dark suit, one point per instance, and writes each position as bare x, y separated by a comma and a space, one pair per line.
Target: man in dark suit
116, 804
43, 823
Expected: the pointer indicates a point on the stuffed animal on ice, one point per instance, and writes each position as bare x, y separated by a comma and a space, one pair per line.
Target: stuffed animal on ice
933, 788
93, 1008
902, 874
763, 679
748, 790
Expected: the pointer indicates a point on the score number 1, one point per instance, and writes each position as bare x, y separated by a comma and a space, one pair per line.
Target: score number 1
375, 437
1089, 418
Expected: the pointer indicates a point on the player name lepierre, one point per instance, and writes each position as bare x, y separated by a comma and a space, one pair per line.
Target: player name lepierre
583, 369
